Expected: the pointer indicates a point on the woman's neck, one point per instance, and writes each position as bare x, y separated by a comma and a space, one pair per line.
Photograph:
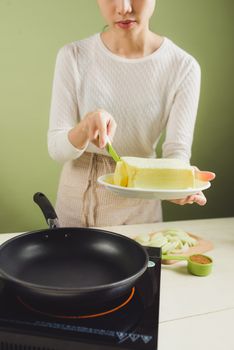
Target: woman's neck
131, 44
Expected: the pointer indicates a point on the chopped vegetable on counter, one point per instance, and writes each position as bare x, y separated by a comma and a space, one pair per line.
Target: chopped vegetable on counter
171, 241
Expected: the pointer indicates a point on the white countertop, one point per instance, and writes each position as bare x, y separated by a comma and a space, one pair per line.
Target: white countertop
195, 312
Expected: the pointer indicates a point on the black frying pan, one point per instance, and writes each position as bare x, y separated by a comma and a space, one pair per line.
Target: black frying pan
71, 264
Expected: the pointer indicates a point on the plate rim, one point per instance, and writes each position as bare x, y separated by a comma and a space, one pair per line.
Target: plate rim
100, 180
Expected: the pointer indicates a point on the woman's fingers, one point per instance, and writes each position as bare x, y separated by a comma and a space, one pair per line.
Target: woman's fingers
182, 201
204, 175
106, 126
111, 128
99, 124
197, 198
200, 199
102, 129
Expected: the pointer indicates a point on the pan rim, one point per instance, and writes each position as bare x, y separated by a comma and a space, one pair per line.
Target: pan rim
70, 290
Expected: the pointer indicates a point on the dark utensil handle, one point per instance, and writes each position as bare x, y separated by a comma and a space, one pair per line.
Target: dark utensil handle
47, 209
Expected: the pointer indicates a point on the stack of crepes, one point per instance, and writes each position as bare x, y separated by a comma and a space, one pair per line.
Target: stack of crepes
154, 173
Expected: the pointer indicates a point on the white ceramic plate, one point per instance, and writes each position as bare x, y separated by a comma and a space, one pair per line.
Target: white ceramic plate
107, 181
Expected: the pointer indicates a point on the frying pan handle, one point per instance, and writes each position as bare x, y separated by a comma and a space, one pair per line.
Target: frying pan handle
47, 209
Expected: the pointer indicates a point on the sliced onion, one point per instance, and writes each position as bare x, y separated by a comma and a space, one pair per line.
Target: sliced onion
171, 241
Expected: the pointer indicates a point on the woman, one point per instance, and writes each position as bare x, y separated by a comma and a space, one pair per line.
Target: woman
126, 76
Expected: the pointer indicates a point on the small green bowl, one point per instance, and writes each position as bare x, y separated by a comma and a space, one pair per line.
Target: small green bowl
199, 269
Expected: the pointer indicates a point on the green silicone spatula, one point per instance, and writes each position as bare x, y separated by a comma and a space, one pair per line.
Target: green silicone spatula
111, 150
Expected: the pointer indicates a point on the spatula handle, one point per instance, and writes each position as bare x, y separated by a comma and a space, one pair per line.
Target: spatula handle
174, 257
111, 150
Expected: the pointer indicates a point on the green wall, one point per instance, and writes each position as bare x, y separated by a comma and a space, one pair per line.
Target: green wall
31, 32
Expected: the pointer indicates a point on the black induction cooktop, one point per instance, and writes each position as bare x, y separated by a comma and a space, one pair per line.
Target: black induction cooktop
130, 322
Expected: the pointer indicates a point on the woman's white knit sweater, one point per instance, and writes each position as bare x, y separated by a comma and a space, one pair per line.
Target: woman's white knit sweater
144, 95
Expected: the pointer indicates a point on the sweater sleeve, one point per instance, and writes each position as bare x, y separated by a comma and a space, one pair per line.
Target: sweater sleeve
182, 115
64, 113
